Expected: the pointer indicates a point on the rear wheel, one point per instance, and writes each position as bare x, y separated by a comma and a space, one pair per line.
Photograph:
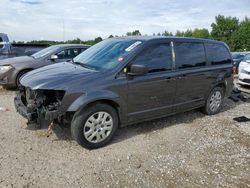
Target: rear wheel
214, 101
95, 126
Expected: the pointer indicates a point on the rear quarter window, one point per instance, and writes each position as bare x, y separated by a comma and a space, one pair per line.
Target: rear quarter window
190, 55
218, 54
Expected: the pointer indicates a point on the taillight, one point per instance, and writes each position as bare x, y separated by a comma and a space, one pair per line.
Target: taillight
234, 70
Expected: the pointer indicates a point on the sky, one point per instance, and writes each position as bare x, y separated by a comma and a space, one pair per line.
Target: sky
25, 20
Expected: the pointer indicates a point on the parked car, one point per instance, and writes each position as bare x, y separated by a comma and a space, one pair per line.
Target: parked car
237, 58
122, 81
244, 71
8, 50
12, 69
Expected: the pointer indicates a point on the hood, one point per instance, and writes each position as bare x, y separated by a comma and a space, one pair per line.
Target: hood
59, 76
17, 60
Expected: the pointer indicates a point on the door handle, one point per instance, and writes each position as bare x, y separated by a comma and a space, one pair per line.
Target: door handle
184, 76
169, 78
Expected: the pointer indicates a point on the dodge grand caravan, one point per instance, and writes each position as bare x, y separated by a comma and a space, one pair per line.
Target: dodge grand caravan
122, 81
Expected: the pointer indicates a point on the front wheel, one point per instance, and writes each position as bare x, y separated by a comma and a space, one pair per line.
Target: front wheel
214, 101
94, 126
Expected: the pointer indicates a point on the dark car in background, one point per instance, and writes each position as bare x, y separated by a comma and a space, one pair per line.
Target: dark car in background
122, 81
8, 50
12, 69
237, 58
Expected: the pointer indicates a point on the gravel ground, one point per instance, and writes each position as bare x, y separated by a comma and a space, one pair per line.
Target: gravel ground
185, 150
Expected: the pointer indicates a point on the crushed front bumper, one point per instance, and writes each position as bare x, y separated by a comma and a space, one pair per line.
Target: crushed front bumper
22, 109
39, 116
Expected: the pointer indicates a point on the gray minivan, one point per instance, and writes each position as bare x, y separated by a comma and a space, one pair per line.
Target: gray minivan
126, 80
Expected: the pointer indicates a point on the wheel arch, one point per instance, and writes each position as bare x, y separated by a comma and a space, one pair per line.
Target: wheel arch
109, 102
20, 72
106, 97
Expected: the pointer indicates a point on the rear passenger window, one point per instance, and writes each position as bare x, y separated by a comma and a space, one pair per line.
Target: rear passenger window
218, 54
190, 55
156, 58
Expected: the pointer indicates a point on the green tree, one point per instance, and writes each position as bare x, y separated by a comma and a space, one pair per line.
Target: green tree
188, 33
179, 33
134, 33
98, 39
241, 37
224, 28
200, 33
166, 33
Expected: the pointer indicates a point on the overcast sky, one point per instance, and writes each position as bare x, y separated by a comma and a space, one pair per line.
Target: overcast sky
87, 19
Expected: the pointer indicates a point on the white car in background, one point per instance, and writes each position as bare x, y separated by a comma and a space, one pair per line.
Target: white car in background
244, 71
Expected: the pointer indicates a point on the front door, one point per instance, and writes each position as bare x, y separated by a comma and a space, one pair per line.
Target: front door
152, 94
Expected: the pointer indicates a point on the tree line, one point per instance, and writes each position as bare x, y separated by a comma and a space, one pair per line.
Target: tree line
230, 30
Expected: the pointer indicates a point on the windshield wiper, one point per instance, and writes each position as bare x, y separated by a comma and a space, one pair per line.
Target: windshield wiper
82, 64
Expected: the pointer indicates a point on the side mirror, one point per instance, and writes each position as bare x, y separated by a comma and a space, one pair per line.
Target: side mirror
136, 70
53, 57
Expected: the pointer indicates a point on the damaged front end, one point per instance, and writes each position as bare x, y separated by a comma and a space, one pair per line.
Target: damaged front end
40, 107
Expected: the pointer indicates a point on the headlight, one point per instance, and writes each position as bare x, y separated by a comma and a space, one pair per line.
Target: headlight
244, 71
5, 68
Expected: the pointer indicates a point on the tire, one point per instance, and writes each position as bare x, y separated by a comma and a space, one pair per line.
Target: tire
19, 76
214, 101
89, 131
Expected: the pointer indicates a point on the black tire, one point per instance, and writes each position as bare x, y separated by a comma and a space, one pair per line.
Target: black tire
19, 76
207, 109
79, 121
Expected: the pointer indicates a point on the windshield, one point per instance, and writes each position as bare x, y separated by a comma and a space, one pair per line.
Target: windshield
45, 52
107, 54
247, 58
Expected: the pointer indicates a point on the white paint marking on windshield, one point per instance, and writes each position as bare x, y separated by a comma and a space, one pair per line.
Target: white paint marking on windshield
131, 47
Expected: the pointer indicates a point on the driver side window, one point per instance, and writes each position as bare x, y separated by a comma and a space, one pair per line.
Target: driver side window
156, 58
61, 54
67, 53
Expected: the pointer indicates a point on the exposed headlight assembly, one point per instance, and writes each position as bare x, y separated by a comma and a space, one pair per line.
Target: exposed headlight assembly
5, 68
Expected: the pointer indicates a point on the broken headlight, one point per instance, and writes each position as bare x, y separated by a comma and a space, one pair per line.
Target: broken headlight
5, 68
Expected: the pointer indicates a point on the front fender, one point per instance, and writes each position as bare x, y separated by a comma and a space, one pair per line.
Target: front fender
87, 98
